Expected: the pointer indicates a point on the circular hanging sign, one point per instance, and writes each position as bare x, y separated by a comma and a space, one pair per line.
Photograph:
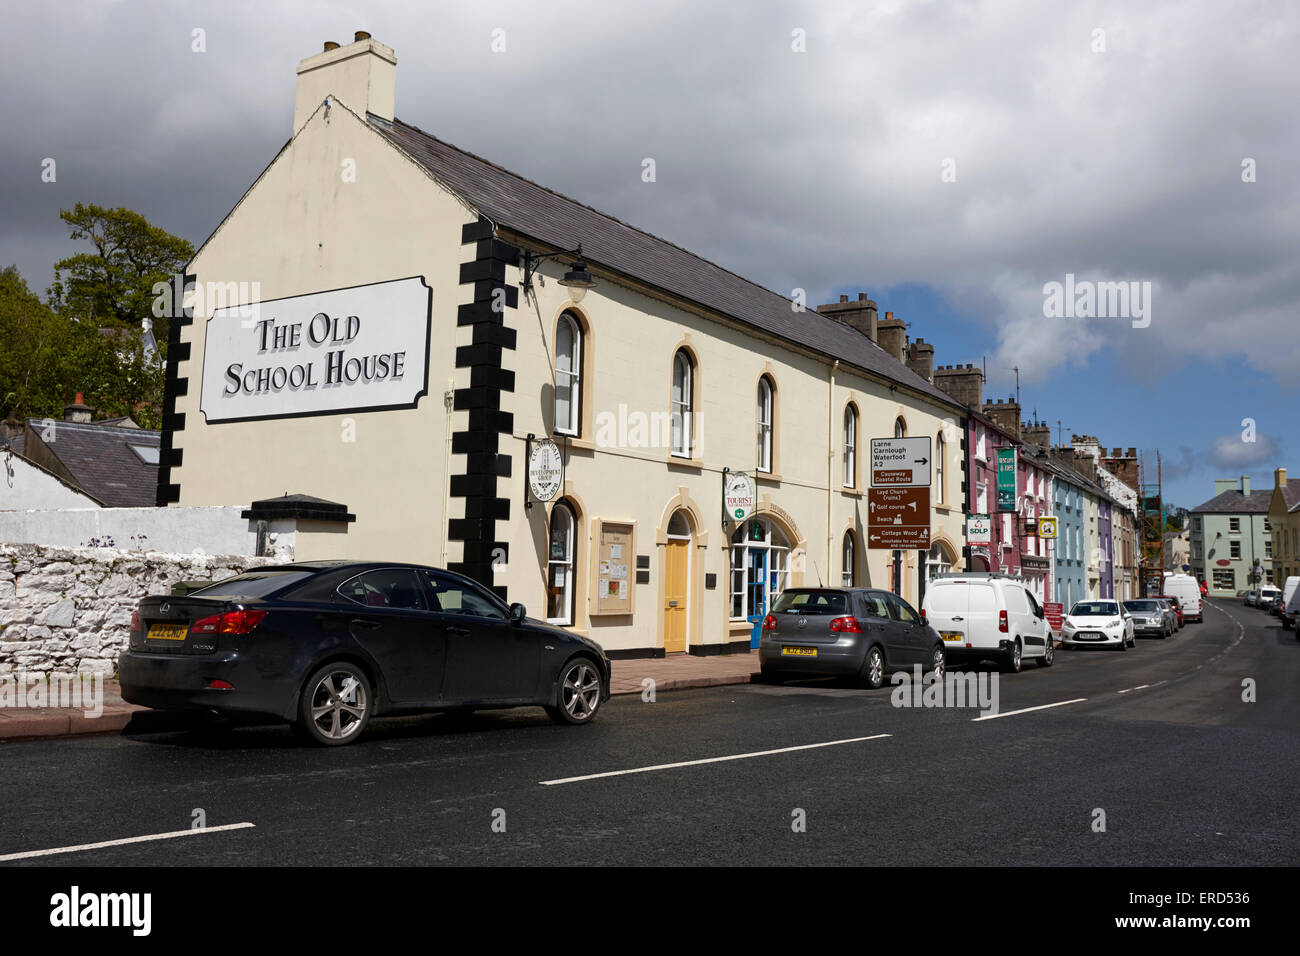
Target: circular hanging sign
545, 470
739, 496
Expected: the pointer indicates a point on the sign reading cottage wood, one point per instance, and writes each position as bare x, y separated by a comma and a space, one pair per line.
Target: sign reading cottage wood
364, 348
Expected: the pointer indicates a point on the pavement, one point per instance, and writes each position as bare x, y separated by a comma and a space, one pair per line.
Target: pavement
678, 672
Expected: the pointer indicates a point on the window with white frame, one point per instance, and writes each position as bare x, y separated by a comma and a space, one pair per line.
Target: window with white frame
848, 561
850, 446
560, 565
760, 568
683, 400
940, 453
568, 368
765, 409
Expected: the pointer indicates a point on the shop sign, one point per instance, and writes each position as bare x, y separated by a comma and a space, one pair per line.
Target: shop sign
1006, 479
739, 496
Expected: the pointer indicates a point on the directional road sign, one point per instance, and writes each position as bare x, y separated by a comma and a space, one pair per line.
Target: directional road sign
898, 518
900, 462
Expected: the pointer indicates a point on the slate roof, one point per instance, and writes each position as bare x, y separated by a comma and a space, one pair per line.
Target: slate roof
101, 463
1234, 502
554, 220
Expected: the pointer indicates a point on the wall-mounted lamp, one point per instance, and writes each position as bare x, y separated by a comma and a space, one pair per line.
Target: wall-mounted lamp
577, 280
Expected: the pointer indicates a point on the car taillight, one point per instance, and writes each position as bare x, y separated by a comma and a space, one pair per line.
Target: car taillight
232, 622
769, 623
846, 624
924, 619
1002, 622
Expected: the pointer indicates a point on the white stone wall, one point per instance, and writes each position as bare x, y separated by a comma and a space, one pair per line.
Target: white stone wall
210, 530
69, 609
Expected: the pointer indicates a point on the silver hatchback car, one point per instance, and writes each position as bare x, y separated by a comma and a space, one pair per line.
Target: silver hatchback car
861, 632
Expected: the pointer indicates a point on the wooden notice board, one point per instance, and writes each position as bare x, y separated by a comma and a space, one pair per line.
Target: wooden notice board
615, 567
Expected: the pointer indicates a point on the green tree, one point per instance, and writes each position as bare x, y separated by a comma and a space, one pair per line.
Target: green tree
32, 350
112, 285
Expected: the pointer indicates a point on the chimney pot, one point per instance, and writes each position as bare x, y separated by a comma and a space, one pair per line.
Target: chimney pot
844, 298
862, 297
360, 35
330, 45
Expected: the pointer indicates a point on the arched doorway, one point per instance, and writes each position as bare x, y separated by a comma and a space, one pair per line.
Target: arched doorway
760, 569
677, 582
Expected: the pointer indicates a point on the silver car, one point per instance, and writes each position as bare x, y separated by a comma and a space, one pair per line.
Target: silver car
858, 632
1150, 618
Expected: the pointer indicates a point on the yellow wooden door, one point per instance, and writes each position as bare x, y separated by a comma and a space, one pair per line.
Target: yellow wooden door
675, 585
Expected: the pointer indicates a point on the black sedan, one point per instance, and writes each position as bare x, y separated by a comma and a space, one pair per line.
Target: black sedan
328, 645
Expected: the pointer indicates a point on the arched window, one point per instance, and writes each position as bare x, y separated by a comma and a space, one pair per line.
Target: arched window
900, 428
850, 446
849, 564
940, 448
683, 404
561, 561
938, 562
766, 408
568, 379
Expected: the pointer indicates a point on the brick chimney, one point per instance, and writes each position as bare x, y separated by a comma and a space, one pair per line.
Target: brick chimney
860, 315
1006, 415
362, 75
920, 359
965, 384
78, 411
891, 333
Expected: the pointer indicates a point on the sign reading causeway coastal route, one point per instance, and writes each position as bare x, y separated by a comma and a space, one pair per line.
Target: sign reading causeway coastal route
900, 462
364, 348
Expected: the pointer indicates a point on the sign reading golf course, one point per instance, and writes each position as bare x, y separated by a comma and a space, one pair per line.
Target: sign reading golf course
364, 348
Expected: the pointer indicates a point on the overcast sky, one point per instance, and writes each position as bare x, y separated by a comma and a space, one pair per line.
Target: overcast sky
1103, 140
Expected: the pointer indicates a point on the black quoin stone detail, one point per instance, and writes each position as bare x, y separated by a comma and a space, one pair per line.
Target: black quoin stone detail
173, 385
477, 477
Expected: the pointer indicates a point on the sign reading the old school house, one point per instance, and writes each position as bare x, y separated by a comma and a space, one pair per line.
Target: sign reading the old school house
358, 349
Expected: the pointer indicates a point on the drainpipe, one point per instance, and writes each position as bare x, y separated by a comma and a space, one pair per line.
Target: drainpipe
448, 399
830, 466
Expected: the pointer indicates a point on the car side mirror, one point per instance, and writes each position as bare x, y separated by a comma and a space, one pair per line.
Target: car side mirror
517, 613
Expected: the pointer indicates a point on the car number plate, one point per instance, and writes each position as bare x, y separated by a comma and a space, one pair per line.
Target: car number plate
952, 635
799, 651
168, 632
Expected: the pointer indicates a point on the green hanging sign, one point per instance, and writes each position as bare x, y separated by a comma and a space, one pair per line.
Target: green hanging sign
1006, 479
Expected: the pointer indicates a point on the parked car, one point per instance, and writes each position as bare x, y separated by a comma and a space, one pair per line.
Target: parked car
1149, 618
1098, 624
989, 616
862, 632
1205, 589
1188, 592
1293, 611
328, 645
1265, 595
1276, 607
1289, 589
1177, 605
1251, 595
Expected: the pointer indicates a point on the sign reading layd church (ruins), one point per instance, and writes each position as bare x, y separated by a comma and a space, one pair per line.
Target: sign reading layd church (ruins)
364, 348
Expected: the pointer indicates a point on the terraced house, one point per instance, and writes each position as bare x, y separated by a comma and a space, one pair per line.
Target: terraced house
1232, 542
425, 322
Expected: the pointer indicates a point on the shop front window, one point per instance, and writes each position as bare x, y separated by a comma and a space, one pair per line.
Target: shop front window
760, 567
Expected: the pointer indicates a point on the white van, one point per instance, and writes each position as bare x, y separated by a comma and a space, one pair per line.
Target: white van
1188, 592
1291, 602
988, 616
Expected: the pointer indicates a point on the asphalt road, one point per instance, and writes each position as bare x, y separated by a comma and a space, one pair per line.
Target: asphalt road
1186, 772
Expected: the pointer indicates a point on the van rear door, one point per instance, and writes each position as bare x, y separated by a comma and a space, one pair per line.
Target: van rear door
945, 610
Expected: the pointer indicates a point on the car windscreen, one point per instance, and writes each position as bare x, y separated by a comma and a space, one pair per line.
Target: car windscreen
257, 583
811, 602
1094, 609
1140, 605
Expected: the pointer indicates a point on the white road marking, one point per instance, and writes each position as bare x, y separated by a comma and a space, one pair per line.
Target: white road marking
1012, 713
695, 763
139, 839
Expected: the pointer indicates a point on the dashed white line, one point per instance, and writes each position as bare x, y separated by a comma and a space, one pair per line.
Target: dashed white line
138, 839
695, 763
1025, 710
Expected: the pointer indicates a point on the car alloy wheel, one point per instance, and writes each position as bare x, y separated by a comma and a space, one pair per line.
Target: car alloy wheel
1049, 654
937, 665
579, 692
335, 707
1014, 659
873, 669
